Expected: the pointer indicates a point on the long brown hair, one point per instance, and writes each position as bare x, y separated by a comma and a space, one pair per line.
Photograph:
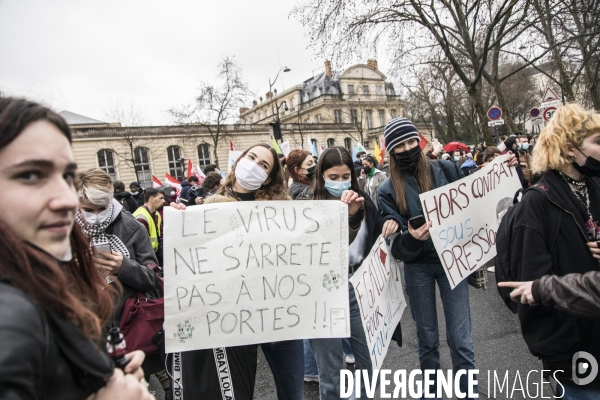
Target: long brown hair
422, 176
274, 190
295, 159
74, 290
332, 157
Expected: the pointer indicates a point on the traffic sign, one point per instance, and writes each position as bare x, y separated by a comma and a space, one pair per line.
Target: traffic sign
550, 99
494, 113
534, 112
549, 113
496, 122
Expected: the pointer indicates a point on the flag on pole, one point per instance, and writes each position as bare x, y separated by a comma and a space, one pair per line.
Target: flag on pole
360, 147
378, 153
424, 142
285, 148
172, 182
201, 175
322, 148
231, 146
275, 145
156, 183
382, 145
312, 147
191, 171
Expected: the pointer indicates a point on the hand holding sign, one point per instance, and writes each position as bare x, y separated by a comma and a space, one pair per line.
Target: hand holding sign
353, 199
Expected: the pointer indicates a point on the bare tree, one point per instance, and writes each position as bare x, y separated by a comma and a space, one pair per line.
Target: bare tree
217, 104
464, 31
138, 142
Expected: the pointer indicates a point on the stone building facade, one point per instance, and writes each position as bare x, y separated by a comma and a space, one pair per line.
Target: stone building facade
325, 110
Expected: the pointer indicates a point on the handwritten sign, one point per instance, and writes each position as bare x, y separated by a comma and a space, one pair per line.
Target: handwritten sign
254, 272
378, 289
465, 216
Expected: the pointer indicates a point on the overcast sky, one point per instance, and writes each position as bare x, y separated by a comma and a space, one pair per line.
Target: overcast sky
85, 56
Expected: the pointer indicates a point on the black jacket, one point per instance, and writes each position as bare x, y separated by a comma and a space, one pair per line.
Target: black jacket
551, 334
139, 197
127, 201
406, 247
43, 356
185, 189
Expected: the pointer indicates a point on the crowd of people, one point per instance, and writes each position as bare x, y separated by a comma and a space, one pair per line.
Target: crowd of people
77, 246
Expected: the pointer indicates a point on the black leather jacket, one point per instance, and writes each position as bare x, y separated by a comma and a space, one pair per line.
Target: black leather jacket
577, 294
43, 356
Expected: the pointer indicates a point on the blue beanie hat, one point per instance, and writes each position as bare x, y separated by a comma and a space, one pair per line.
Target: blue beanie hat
399, 130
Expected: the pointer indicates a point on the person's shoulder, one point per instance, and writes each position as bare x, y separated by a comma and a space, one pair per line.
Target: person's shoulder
219, 198
19, 310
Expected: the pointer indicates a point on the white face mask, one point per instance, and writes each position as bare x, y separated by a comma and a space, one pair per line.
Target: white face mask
96, 219
249, 175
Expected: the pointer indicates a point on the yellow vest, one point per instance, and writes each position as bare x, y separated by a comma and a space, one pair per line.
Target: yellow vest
154, 231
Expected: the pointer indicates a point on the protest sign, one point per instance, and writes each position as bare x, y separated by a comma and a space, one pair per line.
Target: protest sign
465, 216
253, 272
378, 289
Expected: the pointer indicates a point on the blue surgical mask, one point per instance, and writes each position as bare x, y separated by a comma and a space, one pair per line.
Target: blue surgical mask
336, 188
456, 158
524, 146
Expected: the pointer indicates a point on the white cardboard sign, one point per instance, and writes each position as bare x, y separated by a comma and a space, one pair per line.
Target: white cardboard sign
378, 289
465, 216
254, 272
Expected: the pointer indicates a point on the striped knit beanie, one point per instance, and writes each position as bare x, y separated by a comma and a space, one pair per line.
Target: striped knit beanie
399, 130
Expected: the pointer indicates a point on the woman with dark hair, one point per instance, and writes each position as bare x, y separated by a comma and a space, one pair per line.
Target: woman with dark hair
301, 168
257, 175
336, 180
53, 301
371, 178
411, 173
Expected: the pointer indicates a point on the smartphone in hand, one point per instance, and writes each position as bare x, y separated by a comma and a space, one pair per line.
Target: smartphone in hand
417, 222
96, 248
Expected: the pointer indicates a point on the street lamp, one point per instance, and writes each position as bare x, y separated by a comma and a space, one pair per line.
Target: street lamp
275, 126
183, 169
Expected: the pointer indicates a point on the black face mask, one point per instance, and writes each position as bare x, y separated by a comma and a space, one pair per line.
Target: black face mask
408, 159
311, 172
591, 167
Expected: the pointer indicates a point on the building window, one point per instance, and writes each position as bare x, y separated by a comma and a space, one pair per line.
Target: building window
175, 168
317, 92
348, 144
354, 115
337, 116
393, 113
318, 118
259, 116
267, 114
203, 155
378, 89
365, 89
330, 142
293, 102
350, 89
106, 162
366, 144
381, 117
315, 146
141, 156
307, 121
369, 119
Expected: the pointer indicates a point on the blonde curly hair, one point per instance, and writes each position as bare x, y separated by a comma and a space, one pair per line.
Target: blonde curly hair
570, 125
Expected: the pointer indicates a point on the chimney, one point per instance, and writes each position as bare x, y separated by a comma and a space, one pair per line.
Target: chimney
372, 63
254, 103
328, 68
269, 95
243, 110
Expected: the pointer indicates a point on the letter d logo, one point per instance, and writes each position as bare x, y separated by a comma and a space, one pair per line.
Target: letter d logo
581, 368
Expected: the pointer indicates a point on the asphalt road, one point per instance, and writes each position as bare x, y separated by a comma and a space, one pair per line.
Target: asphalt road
499, 348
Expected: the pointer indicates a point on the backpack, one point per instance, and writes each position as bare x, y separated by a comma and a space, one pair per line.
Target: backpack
503, 244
